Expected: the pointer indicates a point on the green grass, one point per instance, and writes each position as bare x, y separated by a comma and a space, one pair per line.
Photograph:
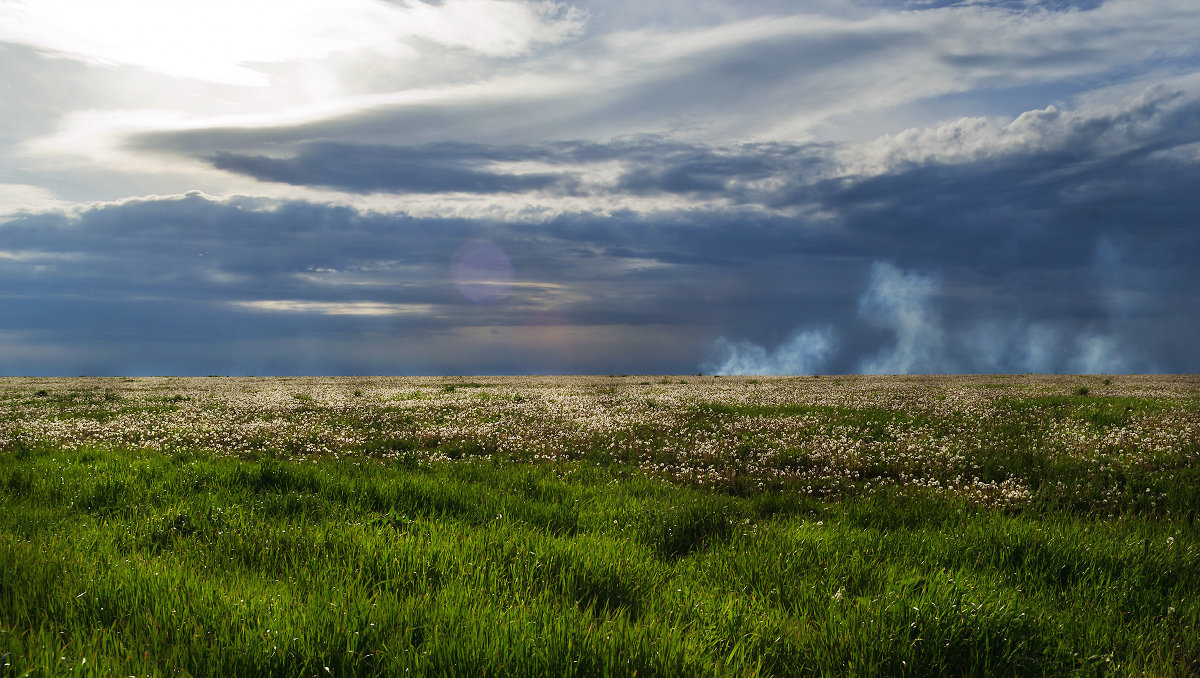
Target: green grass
1099, 411
871, 422
601, 526
143, 563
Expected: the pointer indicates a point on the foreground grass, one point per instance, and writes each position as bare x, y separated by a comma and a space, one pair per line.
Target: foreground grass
127, 561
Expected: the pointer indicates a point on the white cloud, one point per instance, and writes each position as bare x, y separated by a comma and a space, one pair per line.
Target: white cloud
37, 256
16, 198
227, 41
363, 308
1111, 127
803, 72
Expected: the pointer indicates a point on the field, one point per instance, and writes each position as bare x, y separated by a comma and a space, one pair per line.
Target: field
689, 525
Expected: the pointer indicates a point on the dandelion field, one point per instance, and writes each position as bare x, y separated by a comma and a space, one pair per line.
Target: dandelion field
687, 525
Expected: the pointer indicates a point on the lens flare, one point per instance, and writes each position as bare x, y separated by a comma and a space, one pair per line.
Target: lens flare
482, 271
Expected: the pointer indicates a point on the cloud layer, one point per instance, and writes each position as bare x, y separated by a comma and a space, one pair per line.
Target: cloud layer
503, 186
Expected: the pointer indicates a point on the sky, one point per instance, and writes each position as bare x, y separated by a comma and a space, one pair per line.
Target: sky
261, 187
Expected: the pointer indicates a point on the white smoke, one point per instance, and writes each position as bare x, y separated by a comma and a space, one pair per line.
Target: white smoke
992, 346
903, 303
802, 353
1097, 354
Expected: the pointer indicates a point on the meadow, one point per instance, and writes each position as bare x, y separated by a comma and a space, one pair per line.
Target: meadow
684, 525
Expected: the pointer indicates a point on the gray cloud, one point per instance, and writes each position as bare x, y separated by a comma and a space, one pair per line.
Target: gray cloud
435, 168
1054, 157
164, 277
1064, 243
650, 164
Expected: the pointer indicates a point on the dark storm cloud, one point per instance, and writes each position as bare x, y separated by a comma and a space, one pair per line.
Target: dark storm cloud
728, 172
1073, 253
651, 164
1069, 246
180, 277
1056, 155
435, 168
194, 247
1112, 175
